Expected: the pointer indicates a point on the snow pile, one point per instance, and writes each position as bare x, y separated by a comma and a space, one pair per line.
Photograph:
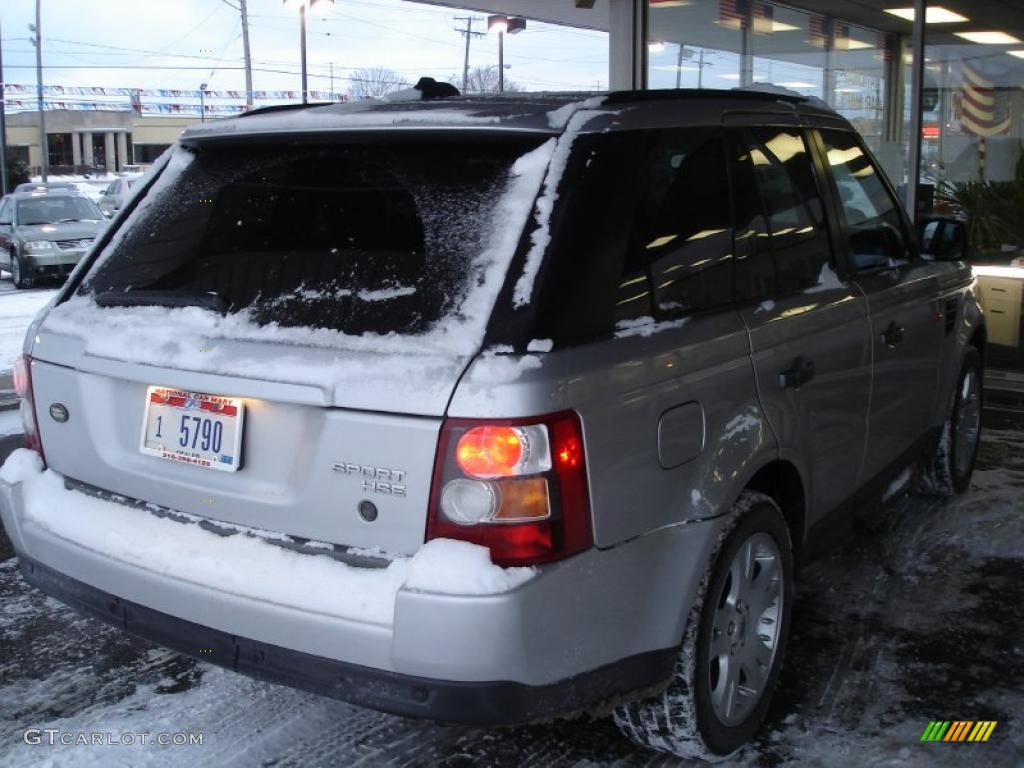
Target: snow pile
244, 565
452, 567
828, 280
491, 368
645, 326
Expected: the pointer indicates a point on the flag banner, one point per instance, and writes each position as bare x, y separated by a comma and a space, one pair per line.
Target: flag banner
164, 93
983, 109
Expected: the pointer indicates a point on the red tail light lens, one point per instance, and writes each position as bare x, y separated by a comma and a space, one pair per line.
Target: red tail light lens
22, 375
516, 486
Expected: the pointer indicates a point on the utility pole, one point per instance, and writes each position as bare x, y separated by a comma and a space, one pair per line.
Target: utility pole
679, 67
469, 34
43, 149
3, 126
501, 62
302, 42
248, 57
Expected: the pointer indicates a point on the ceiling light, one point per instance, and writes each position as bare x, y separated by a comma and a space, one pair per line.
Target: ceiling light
1018, 54
989, 38
934, 15
852, 44
656, 46
781, 26
798, 84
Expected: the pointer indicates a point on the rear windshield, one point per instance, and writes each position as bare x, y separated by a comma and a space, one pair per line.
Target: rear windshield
374, 238
51, 210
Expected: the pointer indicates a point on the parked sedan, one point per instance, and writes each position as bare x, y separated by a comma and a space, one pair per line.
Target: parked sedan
115, 196
45, 233
45, 186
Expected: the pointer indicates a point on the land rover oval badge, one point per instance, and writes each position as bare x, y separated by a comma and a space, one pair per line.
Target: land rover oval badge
58, 412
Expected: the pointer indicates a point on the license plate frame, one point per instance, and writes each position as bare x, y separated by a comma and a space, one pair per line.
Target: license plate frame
215, 408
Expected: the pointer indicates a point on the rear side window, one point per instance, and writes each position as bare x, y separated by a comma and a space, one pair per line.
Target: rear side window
781, 237
644, 232
682, 231
362, 239
873, 224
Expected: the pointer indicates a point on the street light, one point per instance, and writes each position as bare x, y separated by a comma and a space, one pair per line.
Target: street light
202, 102
501, 24
302, 5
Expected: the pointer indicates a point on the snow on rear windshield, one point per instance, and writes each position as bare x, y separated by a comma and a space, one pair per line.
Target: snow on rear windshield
355, 238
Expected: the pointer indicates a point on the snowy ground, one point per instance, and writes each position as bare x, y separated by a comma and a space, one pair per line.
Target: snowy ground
919, 621
17, 308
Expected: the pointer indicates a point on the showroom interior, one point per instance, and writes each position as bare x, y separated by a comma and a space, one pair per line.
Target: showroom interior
953, 117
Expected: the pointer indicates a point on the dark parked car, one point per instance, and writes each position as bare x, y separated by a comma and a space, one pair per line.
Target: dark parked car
45, 233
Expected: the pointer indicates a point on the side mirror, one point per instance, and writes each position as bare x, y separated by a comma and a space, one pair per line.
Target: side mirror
106, 214
943, 238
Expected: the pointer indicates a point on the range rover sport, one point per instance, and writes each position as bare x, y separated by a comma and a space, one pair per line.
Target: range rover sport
494, 409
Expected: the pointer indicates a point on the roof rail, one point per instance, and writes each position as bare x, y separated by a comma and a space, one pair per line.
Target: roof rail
284, 108
671, 94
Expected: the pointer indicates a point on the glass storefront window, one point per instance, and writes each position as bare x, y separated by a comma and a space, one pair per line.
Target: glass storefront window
694, 45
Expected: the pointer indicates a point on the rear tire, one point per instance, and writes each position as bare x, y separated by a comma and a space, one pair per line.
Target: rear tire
733, 645
18, 276
949, 470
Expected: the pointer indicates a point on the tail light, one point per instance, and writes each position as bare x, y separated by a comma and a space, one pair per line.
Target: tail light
23, 386
516, 486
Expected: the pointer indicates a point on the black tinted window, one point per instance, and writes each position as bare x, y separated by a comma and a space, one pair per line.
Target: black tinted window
643, 231
873, 223
682, 229
356, 238
49, 210
781, 237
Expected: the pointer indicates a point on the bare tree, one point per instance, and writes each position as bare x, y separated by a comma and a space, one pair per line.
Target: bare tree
374, 82
485, 80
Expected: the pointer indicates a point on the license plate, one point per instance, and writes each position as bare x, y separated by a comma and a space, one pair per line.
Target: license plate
193, 428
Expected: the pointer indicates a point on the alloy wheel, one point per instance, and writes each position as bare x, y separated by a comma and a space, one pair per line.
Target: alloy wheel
745, 629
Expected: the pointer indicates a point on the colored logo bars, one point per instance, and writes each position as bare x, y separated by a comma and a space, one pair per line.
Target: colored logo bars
958, 730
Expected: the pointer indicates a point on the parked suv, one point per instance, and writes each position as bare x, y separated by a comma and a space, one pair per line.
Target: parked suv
492, 410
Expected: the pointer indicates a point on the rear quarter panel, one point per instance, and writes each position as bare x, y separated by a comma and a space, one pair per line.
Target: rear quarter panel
621, 388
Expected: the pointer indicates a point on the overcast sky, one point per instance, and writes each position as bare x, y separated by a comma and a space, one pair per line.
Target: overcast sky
181, 43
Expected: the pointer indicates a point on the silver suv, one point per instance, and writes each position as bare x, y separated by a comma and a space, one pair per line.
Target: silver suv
492, 410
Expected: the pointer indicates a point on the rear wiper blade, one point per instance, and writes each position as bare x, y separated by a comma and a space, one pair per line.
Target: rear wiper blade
174, 299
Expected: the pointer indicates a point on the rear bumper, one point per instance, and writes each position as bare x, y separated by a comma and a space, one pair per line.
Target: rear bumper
588, 629
492, 702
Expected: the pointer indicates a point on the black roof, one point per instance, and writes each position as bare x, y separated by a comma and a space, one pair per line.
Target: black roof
543, 113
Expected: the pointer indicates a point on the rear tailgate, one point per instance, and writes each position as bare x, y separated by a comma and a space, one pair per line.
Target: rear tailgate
339, 292
304, 467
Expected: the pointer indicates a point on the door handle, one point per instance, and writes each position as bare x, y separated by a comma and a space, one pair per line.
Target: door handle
892, 335
799, 374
